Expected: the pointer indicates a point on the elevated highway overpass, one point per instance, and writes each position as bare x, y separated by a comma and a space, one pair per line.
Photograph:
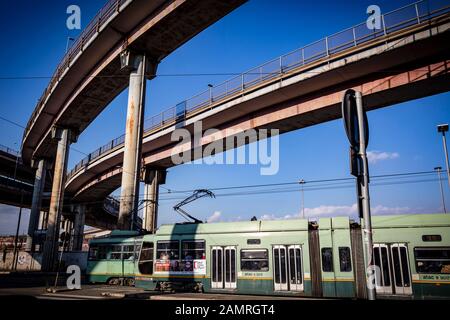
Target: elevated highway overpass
90, 74
121, 47
407, 59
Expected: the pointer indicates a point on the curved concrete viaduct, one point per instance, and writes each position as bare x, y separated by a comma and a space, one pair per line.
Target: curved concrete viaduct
121, 47
90, 75
402, 65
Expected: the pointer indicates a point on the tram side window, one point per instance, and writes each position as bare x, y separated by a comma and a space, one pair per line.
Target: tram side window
128, 252
146, 258
345, 260
193, 250
432, 260
168, 250
116, 253
93, 253
255, 260
97, 252
327, 259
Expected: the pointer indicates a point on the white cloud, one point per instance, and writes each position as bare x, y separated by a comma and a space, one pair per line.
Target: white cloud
380, 210
215, 217
268, 217
329, 211
343, 210
375, 156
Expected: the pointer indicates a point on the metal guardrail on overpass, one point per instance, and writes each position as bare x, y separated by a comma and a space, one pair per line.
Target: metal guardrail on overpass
112, 205
10, 151
396, 20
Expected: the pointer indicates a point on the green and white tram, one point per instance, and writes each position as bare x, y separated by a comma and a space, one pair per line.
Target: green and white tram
289, 257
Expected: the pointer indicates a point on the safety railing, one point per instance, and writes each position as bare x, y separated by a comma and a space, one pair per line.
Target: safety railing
111, 205
87, 34
401, 18
9, 150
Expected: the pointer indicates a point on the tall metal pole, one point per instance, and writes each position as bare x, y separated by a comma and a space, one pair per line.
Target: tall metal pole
438, 169
444, 141
443, 128
367, 228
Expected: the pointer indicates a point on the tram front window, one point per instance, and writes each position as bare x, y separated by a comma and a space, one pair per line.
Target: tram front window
146, 258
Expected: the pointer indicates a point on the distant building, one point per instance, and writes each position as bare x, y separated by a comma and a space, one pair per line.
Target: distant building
8, 242
92, 233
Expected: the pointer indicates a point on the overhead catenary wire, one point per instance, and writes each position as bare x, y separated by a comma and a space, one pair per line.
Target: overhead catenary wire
324, 187
193, 74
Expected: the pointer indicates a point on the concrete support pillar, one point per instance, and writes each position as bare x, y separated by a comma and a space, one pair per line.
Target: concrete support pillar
39, 182
64, 138
78, 228
152, 179
138, 66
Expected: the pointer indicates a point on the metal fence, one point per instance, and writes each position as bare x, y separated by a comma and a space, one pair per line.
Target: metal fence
88, 33
401, 18
9, 150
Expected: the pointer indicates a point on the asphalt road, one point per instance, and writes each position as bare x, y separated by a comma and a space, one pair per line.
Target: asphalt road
103, 292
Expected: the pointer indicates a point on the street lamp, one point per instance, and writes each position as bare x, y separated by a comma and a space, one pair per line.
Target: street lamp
302, 182
210, 93
444, 128
438, 170
67, 43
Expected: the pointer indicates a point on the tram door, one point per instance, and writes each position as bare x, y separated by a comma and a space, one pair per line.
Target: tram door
287, 266
394, 275
223, 267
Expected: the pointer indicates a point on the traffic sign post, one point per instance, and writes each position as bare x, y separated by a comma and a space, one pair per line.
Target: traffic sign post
357, 129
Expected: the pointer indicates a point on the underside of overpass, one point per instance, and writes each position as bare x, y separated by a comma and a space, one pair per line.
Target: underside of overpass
405, 66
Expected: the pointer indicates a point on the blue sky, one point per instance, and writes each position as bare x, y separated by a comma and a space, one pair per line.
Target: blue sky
403, 136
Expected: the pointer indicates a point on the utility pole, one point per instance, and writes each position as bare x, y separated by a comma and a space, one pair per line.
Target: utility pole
438, 170
444, 128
